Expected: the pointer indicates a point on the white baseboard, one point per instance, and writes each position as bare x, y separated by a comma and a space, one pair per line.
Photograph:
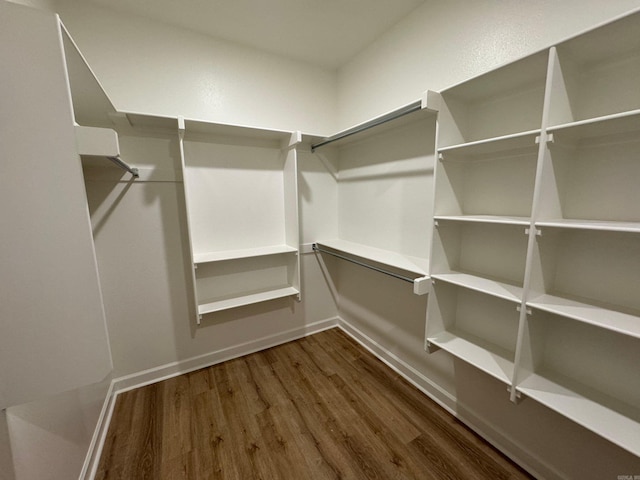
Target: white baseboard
92, 458
413, 376
153, 375
157, 374
498, 439
504, 443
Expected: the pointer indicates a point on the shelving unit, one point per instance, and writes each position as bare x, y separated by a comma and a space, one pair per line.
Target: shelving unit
559, 160
590, 276
487, 181
571, 368
241, 198
484, 257
590, 174
476, 328
500, 103
383, 174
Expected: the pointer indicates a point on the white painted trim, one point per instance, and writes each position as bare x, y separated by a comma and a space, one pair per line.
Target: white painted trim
443, 398
153, 375
164, 372
92, 458
499, 439
536, 466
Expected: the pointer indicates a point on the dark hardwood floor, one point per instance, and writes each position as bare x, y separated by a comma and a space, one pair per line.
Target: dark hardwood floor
318, 408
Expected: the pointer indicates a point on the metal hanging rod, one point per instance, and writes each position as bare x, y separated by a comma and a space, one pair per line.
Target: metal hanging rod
120, 163
316, 248
413, 107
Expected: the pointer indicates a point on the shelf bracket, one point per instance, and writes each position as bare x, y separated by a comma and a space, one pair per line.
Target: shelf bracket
537, 231
430, 347
527, 310
181, 127
514, 394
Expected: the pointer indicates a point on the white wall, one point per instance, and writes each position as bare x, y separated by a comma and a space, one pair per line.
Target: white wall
50, 437
445, 42
146, 66
141, 243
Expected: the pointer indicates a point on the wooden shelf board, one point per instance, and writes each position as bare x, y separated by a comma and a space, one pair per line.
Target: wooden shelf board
504, 143
415, 265
599, 126
239, 301
624, 323
500, 219
617, 422
487, 357
610, 226
242, 253
488, 286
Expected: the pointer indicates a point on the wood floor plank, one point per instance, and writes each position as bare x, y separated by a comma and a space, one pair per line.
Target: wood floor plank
320, 408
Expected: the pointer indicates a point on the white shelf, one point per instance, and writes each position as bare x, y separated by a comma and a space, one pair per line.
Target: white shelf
600, 126
487, 357
227, 303
609, 226
591, 409
491, 287
501, 144
208, 129
243, 253
499, 219
415, 265
624, 323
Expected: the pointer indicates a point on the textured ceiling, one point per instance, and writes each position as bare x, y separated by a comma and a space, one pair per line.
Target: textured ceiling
323, 32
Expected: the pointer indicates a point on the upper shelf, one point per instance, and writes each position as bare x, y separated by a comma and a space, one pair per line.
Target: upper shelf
607, 226
418, 266
501, 103
618, 123
393, 119
481, 149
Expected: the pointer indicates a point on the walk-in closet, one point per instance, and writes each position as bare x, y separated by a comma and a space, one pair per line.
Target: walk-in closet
352, 239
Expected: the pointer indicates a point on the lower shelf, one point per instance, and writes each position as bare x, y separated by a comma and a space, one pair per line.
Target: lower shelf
481, 354
239, 301
617, 422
